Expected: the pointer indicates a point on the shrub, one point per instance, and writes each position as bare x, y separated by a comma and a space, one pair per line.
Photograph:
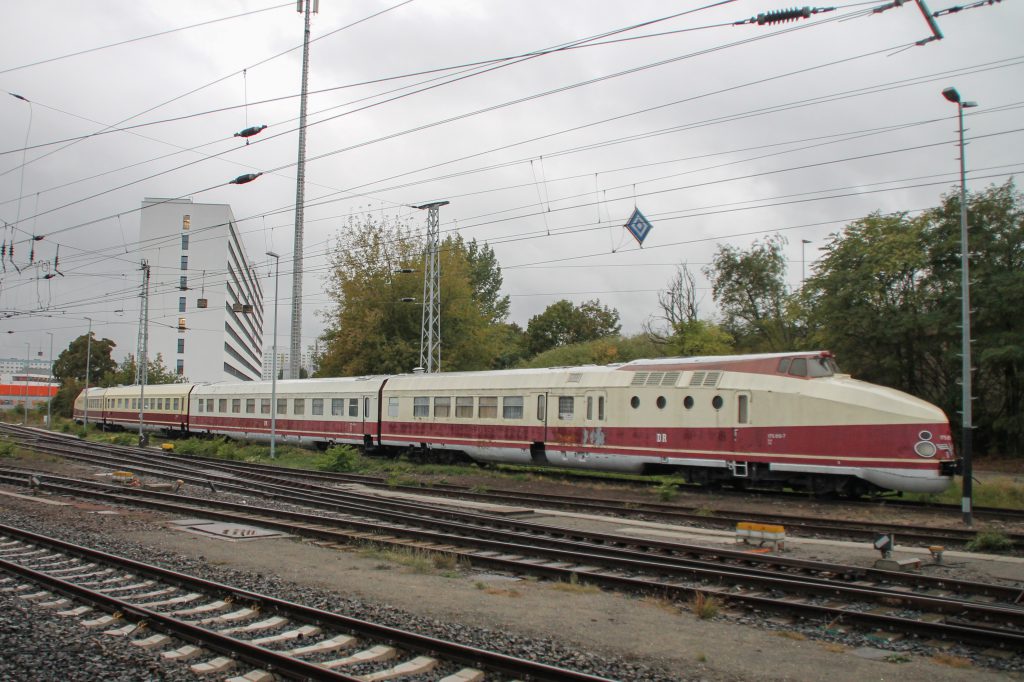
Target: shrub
704, 606
341, 458
990, 541
667, 491
7, 449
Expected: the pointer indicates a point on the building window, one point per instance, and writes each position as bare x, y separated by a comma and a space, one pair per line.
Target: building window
442, 407
181, 345
183, 282
181, 304
488, 407
565, 407
180, 367
318, 406
264, 405
464, 407
282, 406
236, 406
353, 407
184, 262
299, 407
337, 407
250, 405
181, 324
186, 222
421, 407
392, 407
512, 407
184, 242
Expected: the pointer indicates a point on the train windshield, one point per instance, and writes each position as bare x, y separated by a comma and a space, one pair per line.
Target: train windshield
822, 367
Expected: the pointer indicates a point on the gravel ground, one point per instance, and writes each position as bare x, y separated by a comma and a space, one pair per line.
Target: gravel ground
617, 636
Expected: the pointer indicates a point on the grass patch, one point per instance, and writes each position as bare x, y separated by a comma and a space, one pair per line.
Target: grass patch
991, 541
792, 634
415, 560
897, 658
8, 449
574, 586
834, 648
667, 491
1001, 491
952, 661
704, 606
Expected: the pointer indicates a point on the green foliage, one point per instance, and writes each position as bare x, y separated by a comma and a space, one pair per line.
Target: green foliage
341, 458
693, 338
563, 323
71, 363
598, 352
156, 373
202, 447
667, 491
8, 449
992, 541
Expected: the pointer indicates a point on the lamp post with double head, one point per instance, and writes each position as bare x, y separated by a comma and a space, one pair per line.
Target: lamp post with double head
273, 362
88, 357
953, 96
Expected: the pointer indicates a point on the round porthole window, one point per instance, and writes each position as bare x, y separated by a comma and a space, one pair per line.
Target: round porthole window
661, 402
688, 402
717, 402
634, 402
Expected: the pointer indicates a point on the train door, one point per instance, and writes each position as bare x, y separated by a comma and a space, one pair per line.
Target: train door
368, 415
537, 452
595, 410
742, 404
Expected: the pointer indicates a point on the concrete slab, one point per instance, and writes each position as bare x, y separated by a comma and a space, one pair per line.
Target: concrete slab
871, 653
232, 532
36, 498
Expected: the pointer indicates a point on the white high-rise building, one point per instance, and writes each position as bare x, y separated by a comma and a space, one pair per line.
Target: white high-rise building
307, 362
205, 300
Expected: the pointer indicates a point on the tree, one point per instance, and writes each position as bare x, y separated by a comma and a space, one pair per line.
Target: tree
678, 304
693, 338
370, 329
71, 363
750, 290
601, 351
156, 373
562, 323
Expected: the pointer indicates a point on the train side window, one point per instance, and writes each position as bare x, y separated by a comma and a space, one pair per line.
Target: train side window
392, 407
282, 405
442, 407
688, 402
209, 404
318, 406
353, 407
784, 365
236, 406
264, 405
717, 402
176, 403
590, 408
634, 402
250, 405
799, 367
660, 402
421, 406
541, 408
566, 407
222, 405
337, 407
487, 407
600, 408
464, 407
366, 407
512, 407
299, 407
743, 409
199, 405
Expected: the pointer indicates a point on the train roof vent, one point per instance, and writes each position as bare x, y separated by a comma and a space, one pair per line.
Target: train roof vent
670, 378
575, 377
711, 379
654, 379
697, 378
639, 379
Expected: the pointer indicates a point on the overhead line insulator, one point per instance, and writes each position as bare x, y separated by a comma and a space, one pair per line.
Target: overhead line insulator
782, 16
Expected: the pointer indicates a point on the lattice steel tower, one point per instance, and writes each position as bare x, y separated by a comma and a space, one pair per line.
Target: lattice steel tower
430, 329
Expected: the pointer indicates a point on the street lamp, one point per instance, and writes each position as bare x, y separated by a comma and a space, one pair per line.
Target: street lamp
273, 362
965, 314
49, 388
88, 357
803, 262
28, 362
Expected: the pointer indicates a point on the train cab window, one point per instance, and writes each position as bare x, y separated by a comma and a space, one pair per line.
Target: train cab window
250, 405
487, 407
264, 405
337, 407
590, 408
634, 402
353, 407
798, 367
442, 407
464, 407
512, 407
282, 405
600, 408
566, 407
743, 409
688, 402
822, 367
421, 406
236, 406
784, 365
318, 406
717, 402
209, 404
199, 405
661, 402
299, 407
222, 405
541, 408
392, 407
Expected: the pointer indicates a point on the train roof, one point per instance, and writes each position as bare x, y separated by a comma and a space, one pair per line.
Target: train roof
756, 363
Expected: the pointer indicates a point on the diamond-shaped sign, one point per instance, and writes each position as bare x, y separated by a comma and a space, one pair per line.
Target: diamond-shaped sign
638, 226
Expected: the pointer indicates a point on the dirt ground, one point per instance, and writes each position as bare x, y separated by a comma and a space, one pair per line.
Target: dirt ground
664, 635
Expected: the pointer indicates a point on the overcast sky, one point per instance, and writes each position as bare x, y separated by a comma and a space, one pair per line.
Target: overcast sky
719, 133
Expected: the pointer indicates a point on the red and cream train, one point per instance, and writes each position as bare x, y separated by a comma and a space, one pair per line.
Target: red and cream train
769, 420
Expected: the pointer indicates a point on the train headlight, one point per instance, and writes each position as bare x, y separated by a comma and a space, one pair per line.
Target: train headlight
925, 448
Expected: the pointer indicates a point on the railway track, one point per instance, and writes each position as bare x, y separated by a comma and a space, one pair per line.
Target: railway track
128, 598
975, 613
177, 466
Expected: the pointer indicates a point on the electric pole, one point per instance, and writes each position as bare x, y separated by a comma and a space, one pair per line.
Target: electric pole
142, 366
430, 328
